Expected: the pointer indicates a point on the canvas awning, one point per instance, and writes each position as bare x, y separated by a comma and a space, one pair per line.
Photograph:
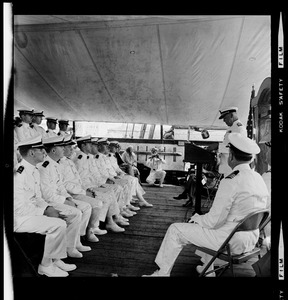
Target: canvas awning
177, 70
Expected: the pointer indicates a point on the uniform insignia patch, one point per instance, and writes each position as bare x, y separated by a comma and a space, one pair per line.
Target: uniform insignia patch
232, 175
239, 124
58, 133
97, 156
20, 169
87, 157
109, 155
79, 156
47, 131
31, 125
45, 164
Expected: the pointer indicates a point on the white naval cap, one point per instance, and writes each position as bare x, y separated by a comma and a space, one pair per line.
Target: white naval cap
227, 110
103, 141
35, 142
94, 140
54, 141
243, 143
68, 140
63, 121
86, 139
51, 119
38, 113
26, 111
114, 143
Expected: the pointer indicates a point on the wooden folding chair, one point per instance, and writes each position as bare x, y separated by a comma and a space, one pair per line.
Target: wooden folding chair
251, 222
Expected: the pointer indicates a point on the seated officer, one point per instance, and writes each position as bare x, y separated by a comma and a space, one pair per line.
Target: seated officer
73, 185
33, 214
239, 194
36, 121
115, 170
95, 184
54, 193
25, 131
155, 163
63, 126
51, 125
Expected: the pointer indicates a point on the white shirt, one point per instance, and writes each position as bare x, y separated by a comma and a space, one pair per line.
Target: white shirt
50, 133
52, 184
71, 178
28, 200
114, 164
235, 199
39, 130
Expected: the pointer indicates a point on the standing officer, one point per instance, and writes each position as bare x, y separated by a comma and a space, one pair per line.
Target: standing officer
239, 194
55, 193
51, 125
63, 126
25, 131
229, 116
36, 121
34, 215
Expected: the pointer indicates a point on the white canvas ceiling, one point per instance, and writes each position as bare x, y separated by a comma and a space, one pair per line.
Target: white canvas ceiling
177, 70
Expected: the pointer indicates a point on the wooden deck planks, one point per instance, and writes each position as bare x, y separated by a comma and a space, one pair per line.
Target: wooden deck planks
132, 253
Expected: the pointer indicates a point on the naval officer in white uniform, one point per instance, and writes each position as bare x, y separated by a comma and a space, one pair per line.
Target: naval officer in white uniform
240, 193
229, 116
33, 214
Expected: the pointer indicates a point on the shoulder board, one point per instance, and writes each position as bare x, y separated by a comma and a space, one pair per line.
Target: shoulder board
20, 169
31, 125
232, 175
87, 157
58, 133
79, 156
45, 164
47, 131
109, 154
239, 124
97, 156
19, 125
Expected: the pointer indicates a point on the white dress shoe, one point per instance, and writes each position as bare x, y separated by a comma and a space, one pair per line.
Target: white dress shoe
114, 228
52, 271
199, 269
157, 273
83, 248
145, 204
122, 222
126, 214
63, 266
130, 211
90, 237
74, 253
133, 208
99, 231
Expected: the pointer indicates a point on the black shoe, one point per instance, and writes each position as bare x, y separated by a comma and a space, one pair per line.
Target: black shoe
181, 196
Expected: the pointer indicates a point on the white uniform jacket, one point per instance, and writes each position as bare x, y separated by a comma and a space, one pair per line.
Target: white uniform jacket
113, 161
155, 164
101, 163
71, 178
28, 199
239, 194
25, 132
52, 185
50, 133
89, 174
39, 130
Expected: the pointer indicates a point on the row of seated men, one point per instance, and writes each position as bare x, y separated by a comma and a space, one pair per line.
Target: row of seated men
71, 195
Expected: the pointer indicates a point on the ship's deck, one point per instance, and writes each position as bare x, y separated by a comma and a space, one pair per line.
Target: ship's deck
132, 253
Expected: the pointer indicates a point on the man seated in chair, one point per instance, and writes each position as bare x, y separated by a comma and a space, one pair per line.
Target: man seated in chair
240, 193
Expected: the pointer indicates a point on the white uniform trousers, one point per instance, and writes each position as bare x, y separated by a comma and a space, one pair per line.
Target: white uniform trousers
86, 210
156, 175
180, 234
127, 188
119, 193
55, 231
110, 203
97, 207
73, 221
